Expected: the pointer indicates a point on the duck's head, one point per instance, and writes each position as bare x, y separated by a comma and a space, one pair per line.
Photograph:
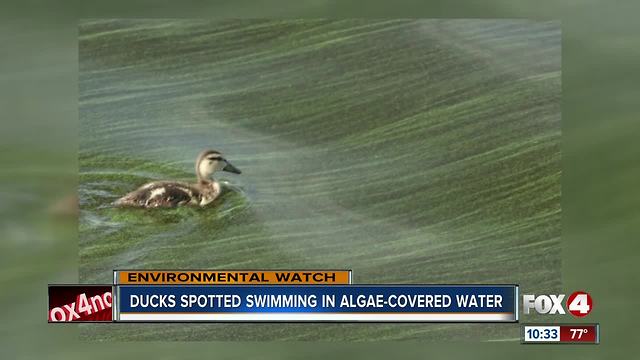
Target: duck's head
210, 161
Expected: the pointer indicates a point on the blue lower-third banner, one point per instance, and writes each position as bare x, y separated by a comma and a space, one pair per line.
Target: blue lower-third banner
317, 303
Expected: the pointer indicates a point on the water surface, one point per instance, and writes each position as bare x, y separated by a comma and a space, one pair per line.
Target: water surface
411, 151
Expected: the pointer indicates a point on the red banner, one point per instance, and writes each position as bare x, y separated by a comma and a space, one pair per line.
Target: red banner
80, 303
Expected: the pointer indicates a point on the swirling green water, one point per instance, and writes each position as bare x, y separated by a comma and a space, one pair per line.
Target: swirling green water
411, 151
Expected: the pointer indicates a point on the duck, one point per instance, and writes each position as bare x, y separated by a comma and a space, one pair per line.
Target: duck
167, 194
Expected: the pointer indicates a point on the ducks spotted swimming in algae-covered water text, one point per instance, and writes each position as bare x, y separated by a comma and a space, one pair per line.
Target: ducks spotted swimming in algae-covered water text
173, 193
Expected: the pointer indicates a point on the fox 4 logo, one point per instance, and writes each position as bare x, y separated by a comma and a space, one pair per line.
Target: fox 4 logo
579, 304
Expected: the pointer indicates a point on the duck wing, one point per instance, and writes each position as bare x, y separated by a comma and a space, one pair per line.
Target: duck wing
161, 194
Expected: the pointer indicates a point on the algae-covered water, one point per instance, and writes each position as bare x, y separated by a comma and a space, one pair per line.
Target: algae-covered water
411, 151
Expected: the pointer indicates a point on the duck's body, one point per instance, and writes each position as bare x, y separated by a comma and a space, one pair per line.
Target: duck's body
173, 193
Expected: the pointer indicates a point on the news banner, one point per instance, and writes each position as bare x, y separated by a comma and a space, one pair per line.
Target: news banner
183, 296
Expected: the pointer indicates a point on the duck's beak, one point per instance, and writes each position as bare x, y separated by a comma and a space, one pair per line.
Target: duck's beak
232, 169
